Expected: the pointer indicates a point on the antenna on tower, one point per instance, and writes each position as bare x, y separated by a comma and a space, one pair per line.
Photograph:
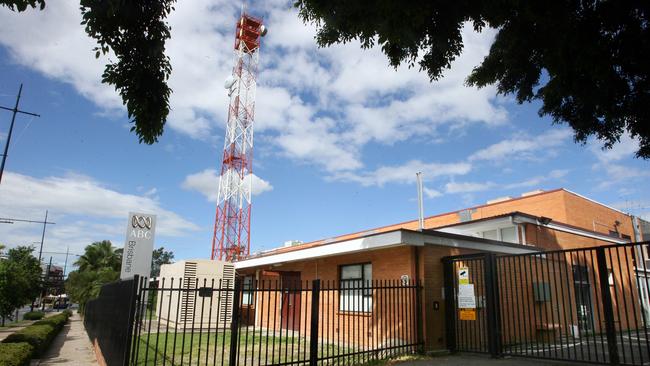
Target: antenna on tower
231, 239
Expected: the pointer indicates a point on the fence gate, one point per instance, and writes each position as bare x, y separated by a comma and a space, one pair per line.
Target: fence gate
587, 305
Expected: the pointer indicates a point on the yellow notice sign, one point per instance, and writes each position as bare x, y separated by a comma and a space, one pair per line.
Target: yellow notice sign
463, 276
467, 314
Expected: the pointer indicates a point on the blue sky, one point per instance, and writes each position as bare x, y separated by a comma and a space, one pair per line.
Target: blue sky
339, 137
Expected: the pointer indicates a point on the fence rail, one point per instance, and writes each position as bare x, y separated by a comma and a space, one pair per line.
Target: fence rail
587, 304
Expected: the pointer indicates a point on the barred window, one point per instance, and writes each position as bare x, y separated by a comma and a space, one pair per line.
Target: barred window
247, 291
355, 288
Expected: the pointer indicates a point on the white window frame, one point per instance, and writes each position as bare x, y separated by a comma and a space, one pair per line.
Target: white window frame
358, 299
247, 291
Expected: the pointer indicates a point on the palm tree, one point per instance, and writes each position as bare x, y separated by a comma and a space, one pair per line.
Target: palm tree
99, 255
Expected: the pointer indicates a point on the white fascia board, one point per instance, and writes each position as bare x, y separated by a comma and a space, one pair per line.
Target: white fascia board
469, 228
479, 245
380, 241
566, 229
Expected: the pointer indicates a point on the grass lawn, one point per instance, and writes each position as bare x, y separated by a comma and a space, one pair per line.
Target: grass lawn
11, 324
176, 348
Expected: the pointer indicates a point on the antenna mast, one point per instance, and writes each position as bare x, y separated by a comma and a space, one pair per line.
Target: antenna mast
231, 239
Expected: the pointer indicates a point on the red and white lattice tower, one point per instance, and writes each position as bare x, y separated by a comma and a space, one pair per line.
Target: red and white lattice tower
231, 239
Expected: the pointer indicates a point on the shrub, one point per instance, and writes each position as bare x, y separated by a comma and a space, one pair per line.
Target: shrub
67, 312
38, 335
15, 354
33, 315
57, 321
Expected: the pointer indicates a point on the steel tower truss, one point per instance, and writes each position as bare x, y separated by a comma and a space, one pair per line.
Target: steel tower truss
231, 239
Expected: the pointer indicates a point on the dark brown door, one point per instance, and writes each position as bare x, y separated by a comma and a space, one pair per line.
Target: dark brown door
290, 307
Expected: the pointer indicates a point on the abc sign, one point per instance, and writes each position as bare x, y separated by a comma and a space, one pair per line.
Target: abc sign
141, 226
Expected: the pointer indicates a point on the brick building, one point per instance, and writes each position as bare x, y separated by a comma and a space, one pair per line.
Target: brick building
534, 222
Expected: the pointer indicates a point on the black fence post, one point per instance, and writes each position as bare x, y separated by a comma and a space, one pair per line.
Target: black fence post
313, 335
419, 317
608, 308
234, 325
450, 304
131, 322
492, 305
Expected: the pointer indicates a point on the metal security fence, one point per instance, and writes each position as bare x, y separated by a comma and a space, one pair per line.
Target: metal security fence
588, 304
201, 322
109, 319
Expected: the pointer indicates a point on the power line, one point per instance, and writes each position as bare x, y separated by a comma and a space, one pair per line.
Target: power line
14, 111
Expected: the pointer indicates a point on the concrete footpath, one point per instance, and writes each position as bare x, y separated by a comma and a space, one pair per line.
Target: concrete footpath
70, 347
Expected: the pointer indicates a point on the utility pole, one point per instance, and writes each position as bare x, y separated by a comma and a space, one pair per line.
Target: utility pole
40, 252
14, 111
47, 280
65, 264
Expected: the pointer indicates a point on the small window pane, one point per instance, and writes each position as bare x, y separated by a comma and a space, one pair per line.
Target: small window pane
351, 272
508, 235
353, 296
367, 274
247, 293
490, 234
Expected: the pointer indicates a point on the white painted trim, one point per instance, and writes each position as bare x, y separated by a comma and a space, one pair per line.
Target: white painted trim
482, 245
383, 241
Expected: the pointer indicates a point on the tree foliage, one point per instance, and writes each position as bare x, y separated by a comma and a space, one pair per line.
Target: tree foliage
586, 61
20, 279
159, 257
21, 5
100, 264
136, 32
99, 255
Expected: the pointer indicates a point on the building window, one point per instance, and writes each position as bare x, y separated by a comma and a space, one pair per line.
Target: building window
355, 288
247, 291
490, 234
508, 234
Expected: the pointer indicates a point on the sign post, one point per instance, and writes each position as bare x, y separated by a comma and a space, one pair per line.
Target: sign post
138, 248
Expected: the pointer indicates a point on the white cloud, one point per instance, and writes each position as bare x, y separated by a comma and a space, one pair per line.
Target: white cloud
555, 174
320, 106
471, 187
83, 209
468, 187
79, 195
431, 193
206, 182
523, 147
404, 173
54, 43
626, 148
609, 162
